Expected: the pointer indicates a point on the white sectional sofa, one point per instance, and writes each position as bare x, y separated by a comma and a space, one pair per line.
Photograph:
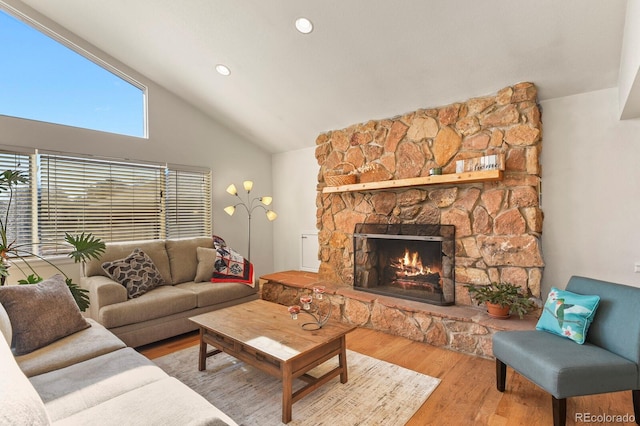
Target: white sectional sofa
90, 377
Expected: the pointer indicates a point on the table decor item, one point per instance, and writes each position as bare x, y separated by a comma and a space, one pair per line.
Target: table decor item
314, 310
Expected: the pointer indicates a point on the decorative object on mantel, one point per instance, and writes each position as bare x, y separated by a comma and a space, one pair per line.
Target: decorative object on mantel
342, 174
250, 207
487, 162
501, 299
312, 309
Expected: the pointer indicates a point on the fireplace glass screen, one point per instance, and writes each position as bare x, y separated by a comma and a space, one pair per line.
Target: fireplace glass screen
409, 261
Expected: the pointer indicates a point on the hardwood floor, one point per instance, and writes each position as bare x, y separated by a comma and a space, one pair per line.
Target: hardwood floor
467, 393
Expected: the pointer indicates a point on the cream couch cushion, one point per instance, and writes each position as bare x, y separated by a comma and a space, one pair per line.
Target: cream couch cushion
19, 401
212, 293
5, 325
81, 346
183, 257
97, 380
159, 302
166, 402
153, 248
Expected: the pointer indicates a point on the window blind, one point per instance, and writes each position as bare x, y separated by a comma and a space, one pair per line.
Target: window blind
113, 201
188, 202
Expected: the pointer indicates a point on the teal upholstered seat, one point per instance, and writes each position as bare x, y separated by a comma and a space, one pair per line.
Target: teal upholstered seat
609, 360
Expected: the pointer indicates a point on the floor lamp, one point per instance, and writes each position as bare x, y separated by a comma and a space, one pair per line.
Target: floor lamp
250, 207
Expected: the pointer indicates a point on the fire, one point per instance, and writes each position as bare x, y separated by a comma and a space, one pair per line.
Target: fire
411, 264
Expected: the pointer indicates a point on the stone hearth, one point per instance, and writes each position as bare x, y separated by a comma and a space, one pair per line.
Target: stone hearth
464, 329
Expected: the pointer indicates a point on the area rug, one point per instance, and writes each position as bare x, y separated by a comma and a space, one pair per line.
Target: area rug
377, 392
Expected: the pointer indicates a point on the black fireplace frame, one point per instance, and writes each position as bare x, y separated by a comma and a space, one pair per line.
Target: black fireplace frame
412, 232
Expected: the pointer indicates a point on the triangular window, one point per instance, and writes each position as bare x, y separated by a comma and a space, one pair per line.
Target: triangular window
42, 79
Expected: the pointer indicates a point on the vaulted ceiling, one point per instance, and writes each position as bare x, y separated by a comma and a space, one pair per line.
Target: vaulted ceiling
363, 60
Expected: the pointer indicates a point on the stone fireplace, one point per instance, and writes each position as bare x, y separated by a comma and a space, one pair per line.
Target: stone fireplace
414, 262
498, 223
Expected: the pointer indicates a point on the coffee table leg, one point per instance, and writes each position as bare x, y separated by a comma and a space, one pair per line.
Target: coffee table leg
287, 392
342, 360
202, 356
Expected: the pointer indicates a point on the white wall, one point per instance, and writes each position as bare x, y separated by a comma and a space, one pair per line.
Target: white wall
590, 190
178, 134
295, 178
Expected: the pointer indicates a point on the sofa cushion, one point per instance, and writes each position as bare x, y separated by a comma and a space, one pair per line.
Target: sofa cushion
165, 402
206, 259
19, 401
5, 325
211, 294
155, 249
136, 272
183, 258
159, 302
568, 314
57, 315
97, 380
85, 344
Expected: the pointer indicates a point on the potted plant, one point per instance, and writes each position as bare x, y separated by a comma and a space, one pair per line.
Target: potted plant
501, 299
85, 246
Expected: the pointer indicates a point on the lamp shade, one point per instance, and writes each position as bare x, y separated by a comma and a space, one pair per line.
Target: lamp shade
230, 210
231, 189
271, 215
266, 200
248, 185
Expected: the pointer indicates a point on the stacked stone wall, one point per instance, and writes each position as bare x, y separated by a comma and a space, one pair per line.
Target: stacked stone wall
498, 224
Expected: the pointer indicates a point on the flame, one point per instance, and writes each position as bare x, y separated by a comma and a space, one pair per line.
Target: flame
411, 264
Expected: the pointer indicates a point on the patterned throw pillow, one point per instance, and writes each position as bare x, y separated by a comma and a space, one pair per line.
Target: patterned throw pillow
41, 313
568, 314
136, 272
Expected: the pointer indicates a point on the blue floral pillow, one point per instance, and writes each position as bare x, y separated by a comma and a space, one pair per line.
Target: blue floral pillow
568, 314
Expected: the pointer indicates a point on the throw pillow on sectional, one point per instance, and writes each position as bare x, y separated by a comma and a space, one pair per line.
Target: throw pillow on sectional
41, 313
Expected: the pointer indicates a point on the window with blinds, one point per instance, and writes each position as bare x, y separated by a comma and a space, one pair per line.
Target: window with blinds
19, 202
113, 200
188, 200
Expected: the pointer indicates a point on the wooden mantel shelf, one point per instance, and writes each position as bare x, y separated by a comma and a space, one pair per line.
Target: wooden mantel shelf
467, 177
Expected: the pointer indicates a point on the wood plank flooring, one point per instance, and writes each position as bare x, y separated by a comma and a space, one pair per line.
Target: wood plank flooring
467, 394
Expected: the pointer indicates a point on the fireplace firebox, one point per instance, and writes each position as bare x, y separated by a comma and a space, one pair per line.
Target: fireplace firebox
409, 261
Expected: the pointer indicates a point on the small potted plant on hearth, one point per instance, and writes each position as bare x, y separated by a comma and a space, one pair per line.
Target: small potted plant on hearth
501, 299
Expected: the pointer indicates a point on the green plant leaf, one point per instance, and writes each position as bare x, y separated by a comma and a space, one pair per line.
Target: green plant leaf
86, 247
31, 279
80, 295
10, 178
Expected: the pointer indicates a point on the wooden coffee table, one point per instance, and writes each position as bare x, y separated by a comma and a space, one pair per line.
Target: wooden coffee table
262, 334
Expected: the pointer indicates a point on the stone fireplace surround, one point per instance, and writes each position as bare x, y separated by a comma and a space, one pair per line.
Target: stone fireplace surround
498, 224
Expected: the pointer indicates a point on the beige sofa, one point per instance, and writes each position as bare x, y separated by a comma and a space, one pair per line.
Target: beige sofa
164, 311
91, 378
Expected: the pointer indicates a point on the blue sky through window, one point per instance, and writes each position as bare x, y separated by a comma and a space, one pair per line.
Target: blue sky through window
42, 79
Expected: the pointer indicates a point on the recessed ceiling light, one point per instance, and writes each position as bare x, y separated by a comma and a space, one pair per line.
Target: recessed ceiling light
223, 69
304, 25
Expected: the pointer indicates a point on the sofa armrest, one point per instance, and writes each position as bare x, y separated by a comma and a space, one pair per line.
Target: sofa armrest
103, 291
